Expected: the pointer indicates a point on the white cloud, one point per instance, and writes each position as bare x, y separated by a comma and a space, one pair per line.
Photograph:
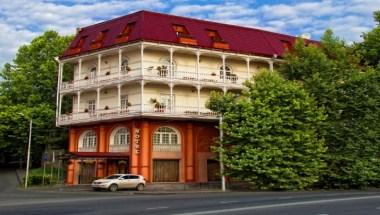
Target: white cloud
21, 20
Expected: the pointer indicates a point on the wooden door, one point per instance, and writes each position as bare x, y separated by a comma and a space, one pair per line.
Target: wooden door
87, 173
166, 170
213, 170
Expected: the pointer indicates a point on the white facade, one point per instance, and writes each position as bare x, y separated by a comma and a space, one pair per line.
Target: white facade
123, 82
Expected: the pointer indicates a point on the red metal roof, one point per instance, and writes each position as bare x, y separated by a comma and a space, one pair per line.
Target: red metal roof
157, 27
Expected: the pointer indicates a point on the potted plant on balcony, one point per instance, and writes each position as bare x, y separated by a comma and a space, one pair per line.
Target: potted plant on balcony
162, 71
158, 106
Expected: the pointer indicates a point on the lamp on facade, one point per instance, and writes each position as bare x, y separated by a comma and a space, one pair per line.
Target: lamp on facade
28, 154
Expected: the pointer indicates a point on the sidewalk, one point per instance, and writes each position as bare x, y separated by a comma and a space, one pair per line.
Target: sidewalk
151, 189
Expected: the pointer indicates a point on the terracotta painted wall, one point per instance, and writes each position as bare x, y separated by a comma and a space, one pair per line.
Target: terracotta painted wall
196, 139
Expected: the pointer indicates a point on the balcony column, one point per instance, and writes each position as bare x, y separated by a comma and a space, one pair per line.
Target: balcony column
199, 98
79, 68
78, 101
171, 63
99, 64
120, 55
224, 67
197, 64
142, 95
171, 85
60, 70
270, 62
60, 105
119, 97
248, 68
97, 100
142, 59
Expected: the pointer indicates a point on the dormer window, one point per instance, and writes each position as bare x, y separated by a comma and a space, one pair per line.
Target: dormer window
286, 44
76, 49
124, 35
183, 35
98, 42
216, 39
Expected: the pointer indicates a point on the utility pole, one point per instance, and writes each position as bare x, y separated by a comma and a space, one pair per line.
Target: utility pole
223, 178
28, 156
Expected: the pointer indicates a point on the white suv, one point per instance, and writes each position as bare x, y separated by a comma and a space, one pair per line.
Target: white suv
119, 181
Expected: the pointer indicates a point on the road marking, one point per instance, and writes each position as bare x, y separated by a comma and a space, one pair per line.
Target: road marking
227, 202
231, 210
156, 208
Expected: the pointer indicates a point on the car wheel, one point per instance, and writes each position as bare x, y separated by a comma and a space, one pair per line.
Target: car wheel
140, 187
113, 188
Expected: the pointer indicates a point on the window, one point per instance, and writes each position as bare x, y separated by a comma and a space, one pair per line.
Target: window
121, 137
124, 102
89, 140
165, 101
286, 44
183, 35
228, 71
97, 43
124, 66
216, 39
164, 69
91, 106
127, 30
93, 73
124, 34
165, 136
214, 35
181, 31
77, 47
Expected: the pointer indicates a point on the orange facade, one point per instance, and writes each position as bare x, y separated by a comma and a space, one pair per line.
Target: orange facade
192, 158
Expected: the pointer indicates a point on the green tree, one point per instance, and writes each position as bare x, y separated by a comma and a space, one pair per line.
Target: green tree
29, 87
271, 139
350, 95
370, 47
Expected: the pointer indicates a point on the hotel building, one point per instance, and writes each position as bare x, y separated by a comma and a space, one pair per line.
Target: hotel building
132, 92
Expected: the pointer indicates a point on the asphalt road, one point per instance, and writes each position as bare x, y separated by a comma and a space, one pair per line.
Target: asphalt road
27, 202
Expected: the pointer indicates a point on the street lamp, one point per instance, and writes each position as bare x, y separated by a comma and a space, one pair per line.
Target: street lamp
221, 163
28, 154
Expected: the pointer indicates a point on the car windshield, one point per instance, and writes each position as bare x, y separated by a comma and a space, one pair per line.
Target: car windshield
113, 177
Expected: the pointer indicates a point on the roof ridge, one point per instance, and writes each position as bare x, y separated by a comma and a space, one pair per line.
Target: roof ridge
216, 23
111, 20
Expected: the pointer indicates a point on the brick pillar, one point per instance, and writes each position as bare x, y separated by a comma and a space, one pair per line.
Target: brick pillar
135, 149
145, 151
72, 140
70, 172
102, 139
189, 153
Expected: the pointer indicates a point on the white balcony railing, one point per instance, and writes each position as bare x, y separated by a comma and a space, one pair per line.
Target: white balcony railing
135, 110
87, 149
155, 71
119, 148
166, 147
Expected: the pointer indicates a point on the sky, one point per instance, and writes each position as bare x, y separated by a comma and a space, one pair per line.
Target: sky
22, 20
